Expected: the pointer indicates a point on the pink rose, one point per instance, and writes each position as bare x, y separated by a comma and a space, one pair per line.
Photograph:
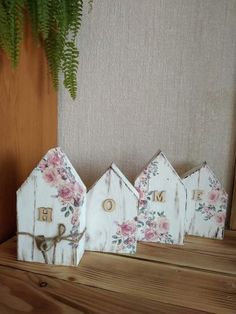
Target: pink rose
75, 217
149, 234
78, 189
66, 192
220, 218
43, 165
163, 225
141, 194
54, 159
128, 228
51, 176
213, 196
130, 241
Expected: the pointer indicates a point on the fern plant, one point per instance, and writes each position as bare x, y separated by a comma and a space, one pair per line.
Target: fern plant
55, 23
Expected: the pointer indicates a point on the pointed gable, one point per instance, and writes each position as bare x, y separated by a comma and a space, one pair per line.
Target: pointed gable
111, 214
50, 203
206, 203
162, 201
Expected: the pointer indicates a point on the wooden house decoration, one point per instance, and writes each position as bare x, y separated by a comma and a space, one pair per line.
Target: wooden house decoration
162, 202
112, 204
206, 203
51, 213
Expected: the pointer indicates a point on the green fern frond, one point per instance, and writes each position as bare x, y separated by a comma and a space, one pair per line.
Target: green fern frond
90, 3
76, 12
15, 16
54, 46
43, 17
33, 13
56, 23
69, 66
5, 42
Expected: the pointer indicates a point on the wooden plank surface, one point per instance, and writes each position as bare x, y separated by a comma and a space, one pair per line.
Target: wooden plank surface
28, 125
27, 292
145, 278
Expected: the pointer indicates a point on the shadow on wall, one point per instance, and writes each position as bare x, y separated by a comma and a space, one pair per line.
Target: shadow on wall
8, 184
181, 168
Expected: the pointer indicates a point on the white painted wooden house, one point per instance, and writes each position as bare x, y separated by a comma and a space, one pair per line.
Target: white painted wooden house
206, 203
162, 202
51, 213
111, 214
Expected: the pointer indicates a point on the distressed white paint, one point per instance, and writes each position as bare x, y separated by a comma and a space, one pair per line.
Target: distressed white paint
162, 203
206, 214
52, 184
112, 230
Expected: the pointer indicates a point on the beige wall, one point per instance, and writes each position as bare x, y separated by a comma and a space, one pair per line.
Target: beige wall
154, 74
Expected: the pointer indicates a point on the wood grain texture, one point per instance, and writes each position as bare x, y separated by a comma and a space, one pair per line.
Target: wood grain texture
53, 185
21, 292
28, 125
162, 202
116, 230
171, 281
206, 213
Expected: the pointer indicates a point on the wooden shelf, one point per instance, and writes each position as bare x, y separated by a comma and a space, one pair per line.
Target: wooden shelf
199, 277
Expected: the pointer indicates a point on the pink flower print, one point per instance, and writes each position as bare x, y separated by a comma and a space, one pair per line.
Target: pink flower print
78, 192
130, 241
51, 176
78, 189
220, 218
149, 234
55, 159
128, 228
213, 196
66, 192
43, 165
64, 174
75, 217
163, 225
141, 194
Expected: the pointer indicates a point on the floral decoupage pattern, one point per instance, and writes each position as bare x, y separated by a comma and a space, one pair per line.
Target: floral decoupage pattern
70, 193
205, 216
125, 237
53, 186
113, 230
160, 220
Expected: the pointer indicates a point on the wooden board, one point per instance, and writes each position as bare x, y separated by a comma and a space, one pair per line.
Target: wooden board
206, 203
23, 291
112, 204
162, 202
51, 212
166, 278
28, 125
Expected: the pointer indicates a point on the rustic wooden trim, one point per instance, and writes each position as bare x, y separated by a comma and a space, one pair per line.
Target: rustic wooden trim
28, 128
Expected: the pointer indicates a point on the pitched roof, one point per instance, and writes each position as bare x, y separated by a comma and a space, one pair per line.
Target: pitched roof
125, 180
67, 161
160, 153
117, 171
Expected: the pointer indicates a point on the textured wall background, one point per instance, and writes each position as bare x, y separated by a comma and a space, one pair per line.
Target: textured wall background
154, 74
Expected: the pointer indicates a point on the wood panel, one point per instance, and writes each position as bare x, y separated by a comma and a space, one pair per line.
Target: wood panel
22, 291
28, 124
148, 277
